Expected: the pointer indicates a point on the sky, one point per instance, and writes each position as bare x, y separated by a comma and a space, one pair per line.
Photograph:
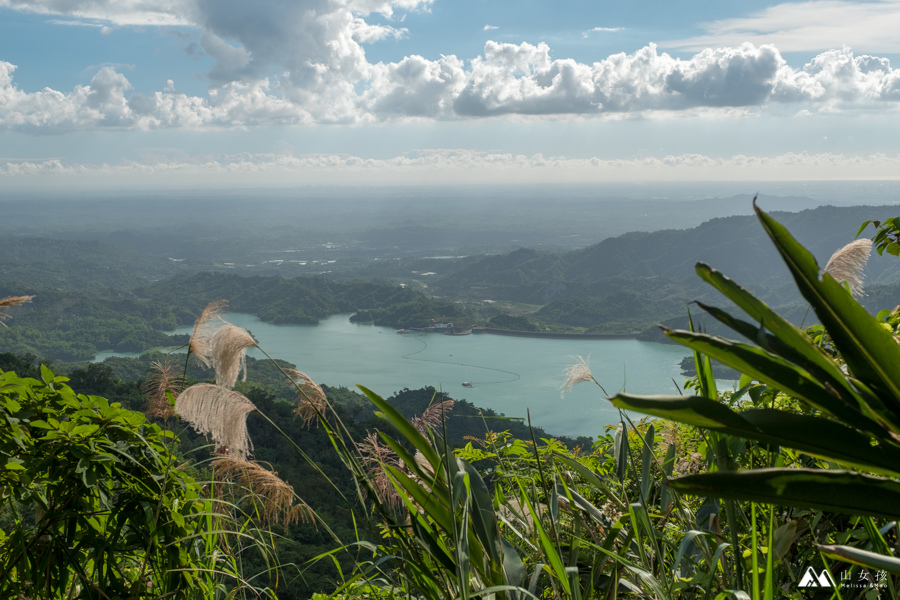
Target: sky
259, 93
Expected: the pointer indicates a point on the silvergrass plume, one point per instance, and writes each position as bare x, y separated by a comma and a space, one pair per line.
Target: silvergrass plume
311, 400
219, 412
433, 416
847, 264
162, 377
228, 348
375, 457
276, 494
575, 374
204, 328
9, 302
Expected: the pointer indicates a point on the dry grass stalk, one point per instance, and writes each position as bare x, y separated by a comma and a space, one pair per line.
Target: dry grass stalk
433, 416
220, 413
311, 400
375, 457
276, 494
575, 374
847, 264
228, 347
204, 328
9, 302
163, 377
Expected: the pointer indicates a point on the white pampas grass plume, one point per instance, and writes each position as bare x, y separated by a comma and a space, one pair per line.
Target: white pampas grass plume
311, 400
220, 413
433, 416
277, 495
162, 378
375, 457
204, 328
575, 374
228, 348
847, 264
9, 302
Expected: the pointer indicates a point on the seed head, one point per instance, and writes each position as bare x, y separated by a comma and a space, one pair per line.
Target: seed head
219, 412
847, 264
204, 329
277, 495
228, 348
162, 378
9, 302
575, 374
311, 400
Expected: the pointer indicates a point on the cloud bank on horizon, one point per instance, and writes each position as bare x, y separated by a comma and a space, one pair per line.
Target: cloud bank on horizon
304, 62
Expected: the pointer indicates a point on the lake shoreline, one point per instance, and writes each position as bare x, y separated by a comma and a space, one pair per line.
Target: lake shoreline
556, 335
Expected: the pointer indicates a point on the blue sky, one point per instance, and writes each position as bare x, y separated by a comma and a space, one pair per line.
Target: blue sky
148, 93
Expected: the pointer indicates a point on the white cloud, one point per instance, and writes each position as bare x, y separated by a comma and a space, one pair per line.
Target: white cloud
489, 28
441, 166
814, 25
602, 30
288, 62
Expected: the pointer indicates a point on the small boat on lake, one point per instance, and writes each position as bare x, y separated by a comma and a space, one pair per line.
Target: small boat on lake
468, 384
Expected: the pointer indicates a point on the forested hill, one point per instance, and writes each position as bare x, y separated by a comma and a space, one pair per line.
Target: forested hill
74, 325
80, 265
735, 245
302, 300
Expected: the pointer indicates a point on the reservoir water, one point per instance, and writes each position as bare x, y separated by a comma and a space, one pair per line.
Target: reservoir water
510, 374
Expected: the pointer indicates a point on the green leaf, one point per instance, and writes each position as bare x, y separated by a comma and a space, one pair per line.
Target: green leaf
837, 491
547, 545
620, 450
862, 227
863, 558
482, 512
774, 370
870, 350
393, 416
665, 491
14, 464
646, 462
815, 435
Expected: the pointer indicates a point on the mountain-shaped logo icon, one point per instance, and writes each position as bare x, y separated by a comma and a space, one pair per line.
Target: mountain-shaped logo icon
812, 579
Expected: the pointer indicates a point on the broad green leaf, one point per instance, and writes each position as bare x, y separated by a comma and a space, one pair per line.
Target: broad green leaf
483, 519
393, 416
863, 558
817, 436
837, 491
776, 371
794, 342
869, 349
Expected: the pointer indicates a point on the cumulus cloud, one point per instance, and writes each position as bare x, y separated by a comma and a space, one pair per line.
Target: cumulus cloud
443, 166
813, 25
489, 28
303, 61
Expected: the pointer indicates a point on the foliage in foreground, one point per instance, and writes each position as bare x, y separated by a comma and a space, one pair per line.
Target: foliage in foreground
94, 504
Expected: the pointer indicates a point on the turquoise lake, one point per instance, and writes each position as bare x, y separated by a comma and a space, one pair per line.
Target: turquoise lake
511, 374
